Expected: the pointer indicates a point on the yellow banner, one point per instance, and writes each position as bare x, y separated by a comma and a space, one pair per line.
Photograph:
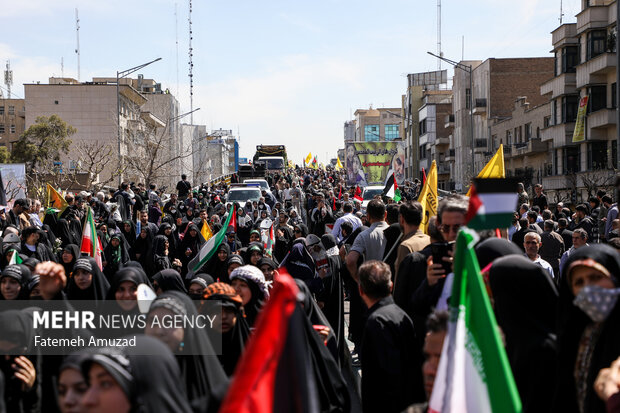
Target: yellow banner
54, 199
206, 230
308, 158
428, 197
338, 163
579, 135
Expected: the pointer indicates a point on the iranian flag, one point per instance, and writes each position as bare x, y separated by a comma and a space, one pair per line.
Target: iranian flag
492, 203
209, 248
358, 194
474, 374
90, 242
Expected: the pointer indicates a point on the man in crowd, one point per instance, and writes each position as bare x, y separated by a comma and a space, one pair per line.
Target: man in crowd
540, 199
347, 217
552, 246
410, 218
532, 246
580, 239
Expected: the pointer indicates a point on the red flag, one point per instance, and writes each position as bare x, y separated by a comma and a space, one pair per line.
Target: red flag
233, 220
498, 233
358, 194
340, 192
423, 176
334, 204
253, 388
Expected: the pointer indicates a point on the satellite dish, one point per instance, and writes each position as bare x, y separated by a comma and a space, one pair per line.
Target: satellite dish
146, 295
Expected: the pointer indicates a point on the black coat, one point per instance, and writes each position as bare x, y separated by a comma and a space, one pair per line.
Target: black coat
391, 365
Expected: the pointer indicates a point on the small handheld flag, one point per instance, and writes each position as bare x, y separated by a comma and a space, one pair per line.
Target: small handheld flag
391, 189
491, 203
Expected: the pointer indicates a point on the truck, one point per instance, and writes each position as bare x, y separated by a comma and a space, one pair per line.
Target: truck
273, 157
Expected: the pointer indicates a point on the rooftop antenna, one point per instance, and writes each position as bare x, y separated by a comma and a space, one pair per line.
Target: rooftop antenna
439, 53
462, 47
176, 32
191, 67
8, 78
62, 67
77, 33
561, 11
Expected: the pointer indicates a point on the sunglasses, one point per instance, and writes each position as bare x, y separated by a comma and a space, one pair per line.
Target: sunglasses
297, 230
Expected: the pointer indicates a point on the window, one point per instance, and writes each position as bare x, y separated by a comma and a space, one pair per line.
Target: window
555, 161
614, 154
508, 138
614, 98
12, 128
2, 128
546, 121
467, 98
596, 42
422, 128
572, 158
597, 155
570, 104
371, 133
528, 131
569, 59
1, 110
554, 112
598, 98
391, 132
555, 64
11, 110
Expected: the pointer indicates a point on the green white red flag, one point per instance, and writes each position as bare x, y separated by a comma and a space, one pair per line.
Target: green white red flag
90, 241
474, 374
492, 203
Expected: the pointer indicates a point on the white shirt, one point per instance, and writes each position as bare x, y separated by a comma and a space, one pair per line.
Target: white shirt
348, 217
543, 264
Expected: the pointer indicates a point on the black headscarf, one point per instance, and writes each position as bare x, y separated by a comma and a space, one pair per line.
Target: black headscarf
74, 250
115, 257
216, 268
66, 234
201, 372
142, 246
131, 235
130, 272
151, 383
22, 275
259, 296
98, 288
528, 325
169, 280
300, 265
172, 239
492, 248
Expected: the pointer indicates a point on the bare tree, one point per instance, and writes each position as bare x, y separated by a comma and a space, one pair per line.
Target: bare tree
598, 179
94, 158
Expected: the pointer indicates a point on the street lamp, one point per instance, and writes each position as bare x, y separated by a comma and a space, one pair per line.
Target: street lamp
119, 76
468, 69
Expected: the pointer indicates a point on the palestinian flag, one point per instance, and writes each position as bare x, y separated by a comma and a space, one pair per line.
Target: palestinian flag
209, 248
491, 203
358, 194
314, 163
233, 220
391, 189
474, 374
270, 242
275, 373
90, 241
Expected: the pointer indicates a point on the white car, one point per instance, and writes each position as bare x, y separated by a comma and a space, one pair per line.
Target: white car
369, 193
261, 182
243, 194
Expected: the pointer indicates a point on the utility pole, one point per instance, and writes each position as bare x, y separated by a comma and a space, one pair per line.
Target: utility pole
191, 66
77, 34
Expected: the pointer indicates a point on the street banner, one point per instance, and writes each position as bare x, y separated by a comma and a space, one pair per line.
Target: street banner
579, 134
494, 168
370, 163
428, 197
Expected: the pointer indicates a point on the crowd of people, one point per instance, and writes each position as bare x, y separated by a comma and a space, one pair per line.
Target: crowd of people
553, 279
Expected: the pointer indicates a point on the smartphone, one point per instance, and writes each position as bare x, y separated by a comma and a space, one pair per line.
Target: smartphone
440, 250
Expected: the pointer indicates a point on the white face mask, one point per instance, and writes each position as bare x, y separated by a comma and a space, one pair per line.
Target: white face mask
597, 302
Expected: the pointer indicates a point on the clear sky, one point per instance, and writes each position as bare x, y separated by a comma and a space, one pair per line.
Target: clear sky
279, 72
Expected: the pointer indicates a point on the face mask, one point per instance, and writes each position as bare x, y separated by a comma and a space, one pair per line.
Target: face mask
195, 297
597, 302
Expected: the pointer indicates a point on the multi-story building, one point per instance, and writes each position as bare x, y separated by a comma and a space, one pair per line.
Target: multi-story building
526, 155
435, 131
383, 124
12, 121
585, 65
214, 154
349, 131
496, 84
139, 110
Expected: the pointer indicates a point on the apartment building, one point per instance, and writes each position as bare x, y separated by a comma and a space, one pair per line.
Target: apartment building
496, 84
585, 65
373, 125
12, 121
435, 132
526, 155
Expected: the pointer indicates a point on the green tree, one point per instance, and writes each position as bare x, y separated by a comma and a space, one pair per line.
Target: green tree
5, 155
43, 143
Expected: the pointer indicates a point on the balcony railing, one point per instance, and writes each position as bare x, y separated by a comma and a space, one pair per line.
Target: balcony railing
481, 103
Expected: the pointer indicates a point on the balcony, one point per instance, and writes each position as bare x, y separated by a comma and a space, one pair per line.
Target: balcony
560, 85
424, 163
560, 134
449, 121
450, 156
565, 34
480, 107
529, 148
480, 146
593, 17
444, 140
602, 118
596, 69
443, 169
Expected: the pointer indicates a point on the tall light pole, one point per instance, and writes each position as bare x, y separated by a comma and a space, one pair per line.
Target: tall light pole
119, 76
468, 69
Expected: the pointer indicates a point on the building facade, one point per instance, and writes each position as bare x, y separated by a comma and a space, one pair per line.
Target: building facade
373, 125
12, 121
214, 154
496, 84
435, 134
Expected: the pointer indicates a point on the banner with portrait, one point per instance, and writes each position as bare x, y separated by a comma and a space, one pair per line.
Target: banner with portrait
370, 163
